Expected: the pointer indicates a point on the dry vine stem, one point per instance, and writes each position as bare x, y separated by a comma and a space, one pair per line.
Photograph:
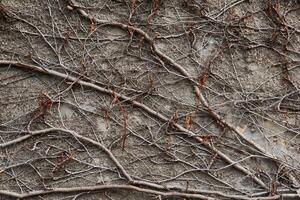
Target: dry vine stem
123, 111
134, 188
140, 105
181, 69
178, 68
120, 167
77, 136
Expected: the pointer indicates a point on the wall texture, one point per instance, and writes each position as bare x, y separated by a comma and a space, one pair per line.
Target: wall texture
149, 99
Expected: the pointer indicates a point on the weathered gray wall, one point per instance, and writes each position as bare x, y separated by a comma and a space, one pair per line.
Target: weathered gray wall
149, 99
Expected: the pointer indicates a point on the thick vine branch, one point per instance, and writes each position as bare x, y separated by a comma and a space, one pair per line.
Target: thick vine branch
137, 104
